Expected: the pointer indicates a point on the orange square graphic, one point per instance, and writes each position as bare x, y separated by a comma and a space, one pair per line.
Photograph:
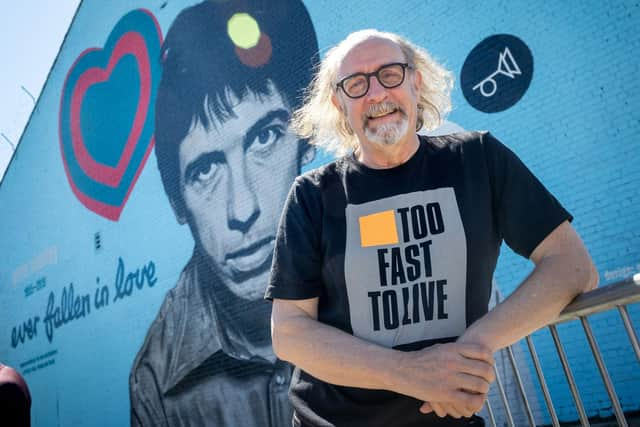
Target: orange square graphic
378, 229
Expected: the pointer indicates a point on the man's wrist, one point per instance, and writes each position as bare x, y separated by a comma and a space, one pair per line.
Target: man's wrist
391, 370
475, 336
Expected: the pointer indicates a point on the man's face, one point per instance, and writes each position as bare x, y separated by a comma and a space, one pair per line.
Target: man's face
382, 116
234, 179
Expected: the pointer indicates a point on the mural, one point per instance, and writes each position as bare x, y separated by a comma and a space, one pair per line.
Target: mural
139, 212
222, 110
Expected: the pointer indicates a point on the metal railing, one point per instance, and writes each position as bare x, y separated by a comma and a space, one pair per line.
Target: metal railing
617, 295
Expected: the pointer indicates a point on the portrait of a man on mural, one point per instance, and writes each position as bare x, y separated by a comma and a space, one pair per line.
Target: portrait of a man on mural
232, 73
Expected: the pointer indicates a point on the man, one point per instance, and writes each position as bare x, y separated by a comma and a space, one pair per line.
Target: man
232, 73
390, 250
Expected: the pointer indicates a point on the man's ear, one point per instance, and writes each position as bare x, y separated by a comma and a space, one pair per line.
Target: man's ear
178, 211
336, 102
417, 80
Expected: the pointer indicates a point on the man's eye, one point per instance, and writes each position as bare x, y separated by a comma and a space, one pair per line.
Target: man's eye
355, 84
390, 75
265, 139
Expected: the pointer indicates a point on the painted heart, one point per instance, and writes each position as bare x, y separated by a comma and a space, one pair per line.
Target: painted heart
106, 116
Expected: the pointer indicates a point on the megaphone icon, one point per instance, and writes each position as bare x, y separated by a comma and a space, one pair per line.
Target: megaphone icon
507, 66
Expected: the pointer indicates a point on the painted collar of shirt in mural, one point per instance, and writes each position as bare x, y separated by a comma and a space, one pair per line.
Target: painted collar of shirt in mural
202, 332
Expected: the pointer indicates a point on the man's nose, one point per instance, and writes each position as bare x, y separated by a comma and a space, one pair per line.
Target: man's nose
242, 202
376, 92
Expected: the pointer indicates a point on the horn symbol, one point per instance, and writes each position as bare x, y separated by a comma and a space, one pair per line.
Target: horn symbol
507, 66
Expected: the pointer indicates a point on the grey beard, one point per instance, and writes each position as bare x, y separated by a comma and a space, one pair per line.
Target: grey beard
387, 134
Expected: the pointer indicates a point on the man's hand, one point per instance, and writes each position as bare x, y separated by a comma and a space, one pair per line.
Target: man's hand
442, 409
456, 376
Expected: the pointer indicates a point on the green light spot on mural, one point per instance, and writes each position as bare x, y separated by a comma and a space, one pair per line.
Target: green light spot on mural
243, 30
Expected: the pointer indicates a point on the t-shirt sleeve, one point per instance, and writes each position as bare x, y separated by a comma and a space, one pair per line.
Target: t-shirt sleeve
296, 268
526, 211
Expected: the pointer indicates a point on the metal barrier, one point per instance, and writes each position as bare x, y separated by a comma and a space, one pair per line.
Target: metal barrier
617, 295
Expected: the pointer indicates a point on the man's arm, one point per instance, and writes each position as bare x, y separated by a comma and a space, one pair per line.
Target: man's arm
437, 373
563, 270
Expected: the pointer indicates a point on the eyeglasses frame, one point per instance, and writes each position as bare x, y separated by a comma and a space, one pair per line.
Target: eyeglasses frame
375, 73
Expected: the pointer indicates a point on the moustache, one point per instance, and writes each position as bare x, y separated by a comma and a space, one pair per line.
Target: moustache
377, 110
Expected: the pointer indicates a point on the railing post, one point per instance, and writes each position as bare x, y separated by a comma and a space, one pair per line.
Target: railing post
567, 371
543, 383
630, 331
616, 295
505, 402
603, 372
490, 412
512, 359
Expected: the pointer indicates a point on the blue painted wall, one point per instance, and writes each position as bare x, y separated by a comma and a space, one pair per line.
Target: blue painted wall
575, 127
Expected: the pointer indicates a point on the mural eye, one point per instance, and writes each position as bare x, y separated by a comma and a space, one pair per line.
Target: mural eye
265, 139
202, 171
206, 173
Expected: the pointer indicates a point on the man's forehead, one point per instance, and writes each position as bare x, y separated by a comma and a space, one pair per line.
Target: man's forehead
370, 53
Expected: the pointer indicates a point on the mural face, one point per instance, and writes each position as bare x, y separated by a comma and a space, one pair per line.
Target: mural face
223, 171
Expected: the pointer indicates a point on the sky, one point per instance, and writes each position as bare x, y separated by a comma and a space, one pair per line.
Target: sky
31, 32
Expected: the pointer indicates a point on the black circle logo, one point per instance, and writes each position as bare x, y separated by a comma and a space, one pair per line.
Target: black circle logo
497, 73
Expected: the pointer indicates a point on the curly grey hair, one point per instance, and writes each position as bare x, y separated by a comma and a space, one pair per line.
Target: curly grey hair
326, 127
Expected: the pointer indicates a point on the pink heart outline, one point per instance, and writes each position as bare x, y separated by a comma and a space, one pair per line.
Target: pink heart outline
129, 43
109, 211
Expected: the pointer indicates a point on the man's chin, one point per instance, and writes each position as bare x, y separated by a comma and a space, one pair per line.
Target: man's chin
387, 135
384, 139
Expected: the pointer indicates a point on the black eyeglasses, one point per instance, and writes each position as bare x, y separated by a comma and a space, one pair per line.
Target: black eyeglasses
389, 75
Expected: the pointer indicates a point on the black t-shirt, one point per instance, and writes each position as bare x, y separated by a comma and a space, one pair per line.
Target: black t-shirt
403, 257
